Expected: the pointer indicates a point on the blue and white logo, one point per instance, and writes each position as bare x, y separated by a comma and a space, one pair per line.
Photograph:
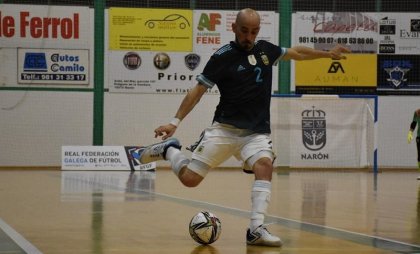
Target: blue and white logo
35, 61
397, 75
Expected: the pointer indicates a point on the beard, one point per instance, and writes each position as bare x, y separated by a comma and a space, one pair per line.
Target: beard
245, 45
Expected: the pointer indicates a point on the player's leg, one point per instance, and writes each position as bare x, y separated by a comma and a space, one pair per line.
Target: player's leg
213, 147
418, 154
157, 151
170, 149
211, 150
259, 158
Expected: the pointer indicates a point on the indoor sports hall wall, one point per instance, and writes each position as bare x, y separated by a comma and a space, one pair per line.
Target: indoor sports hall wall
38, 117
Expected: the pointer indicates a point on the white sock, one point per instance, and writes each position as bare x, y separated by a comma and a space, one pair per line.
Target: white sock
177, 158
260, 198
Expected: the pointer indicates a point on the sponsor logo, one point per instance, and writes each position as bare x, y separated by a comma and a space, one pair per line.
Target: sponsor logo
335, 67
132, 61
35, 61
171, 21
209, 21
387, 29
340, 22
397, 75
415, 25
192, 61
161, 61
386, 48
314, 129
240, 68
414, 32
387, 26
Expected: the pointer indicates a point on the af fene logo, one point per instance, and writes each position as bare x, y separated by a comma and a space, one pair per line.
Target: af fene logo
314, 129
336, 67
161, 61
35, 61
192, 61
209, 21
132, 61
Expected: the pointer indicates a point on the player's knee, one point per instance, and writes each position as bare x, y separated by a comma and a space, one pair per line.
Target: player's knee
263, 169
190, 178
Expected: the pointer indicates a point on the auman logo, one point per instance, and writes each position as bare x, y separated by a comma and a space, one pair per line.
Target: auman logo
314, 129
336, 67
35, 62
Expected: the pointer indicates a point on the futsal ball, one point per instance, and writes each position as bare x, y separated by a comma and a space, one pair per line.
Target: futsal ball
205, 227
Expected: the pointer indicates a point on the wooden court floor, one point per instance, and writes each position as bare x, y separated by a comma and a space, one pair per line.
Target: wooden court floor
52, 211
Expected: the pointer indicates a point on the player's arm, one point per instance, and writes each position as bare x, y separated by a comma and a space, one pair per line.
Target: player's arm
187, 104
300, 53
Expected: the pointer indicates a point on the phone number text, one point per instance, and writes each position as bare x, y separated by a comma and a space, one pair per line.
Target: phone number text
64, 77
305, 39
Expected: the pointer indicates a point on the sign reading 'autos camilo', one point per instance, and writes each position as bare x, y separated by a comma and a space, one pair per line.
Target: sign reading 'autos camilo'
150, 29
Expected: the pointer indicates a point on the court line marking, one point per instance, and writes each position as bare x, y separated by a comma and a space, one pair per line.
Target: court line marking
359, 238
372, 241
18, 238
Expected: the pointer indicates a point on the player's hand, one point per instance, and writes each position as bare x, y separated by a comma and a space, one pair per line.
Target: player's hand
410, 136
165, 131
337, 52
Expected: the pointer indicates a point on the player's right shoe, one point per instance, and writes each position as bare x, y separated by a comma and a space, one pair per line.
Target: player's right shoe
157, 151
261, 236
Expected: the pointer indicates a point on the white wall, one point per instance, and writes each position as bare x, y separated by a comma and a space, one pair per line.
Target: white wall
35, 124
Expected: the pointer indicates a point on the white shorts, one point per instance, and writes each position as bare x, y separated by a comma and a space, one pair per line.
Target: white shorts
221, 141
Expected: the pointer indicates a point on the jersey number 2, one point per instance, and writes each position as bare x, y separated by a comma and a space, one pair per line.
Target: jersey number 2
258, 79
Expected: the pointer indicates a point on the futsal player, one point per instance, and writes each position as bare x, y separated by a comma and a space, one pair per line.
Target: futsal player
242, 71
414, 123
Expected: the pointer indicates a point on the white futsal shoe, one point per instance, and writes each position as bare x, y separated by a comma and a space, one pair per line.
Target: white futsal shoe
157, 151
261, 236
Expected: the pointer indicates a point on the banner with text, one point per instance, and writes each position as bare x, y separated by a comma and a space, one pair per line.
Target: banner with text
103, 158
172, 70
399, 33
323, 30
354, 75
150, 29
46, 45
398, 74
328, 134
53, 66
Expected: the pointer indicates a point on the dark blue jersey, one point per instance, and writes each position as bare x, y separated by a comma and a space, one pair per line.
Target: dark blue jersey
244, 79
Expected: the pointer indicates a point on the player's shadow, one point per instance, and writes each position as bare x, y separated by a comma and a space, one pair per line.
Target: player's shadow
204, 249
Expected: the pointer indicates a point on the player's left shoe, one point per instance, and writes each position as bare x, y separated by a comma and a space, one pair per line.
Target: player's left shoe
261, 236
157, 151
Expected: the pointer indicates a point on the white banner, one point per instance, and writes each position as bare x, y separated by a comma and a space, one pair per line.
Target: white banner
399, 33
175, 72
102, 158
53, 66
323, 30
328, 133
43, 29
